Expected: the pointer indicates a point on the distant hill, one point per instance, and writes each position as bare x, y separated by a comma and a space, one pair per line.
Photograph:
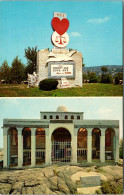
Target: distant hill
112, 69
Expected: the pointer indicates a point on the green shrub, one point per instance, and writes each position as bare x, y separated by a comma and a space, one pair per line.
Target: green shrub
48, 84
93, 78
106, 78
118, 77
112, 187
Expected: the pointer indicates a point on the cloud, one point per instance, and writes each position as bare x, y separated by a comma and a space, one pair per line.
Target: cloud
99, 20
74, 34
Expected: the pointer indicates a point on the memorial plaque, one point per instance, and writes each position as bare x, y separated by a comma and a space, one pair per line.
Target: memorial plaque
90, 181
61, 69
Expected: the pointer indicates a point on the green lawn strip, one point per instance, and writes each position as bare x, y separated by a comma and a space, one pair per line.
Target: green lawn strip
87, 90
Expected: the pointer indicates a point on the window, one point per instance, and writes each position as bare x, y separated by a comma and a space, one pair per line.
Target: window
45, 117
66, 117
51, 117
78, 117
57, 117
72, 117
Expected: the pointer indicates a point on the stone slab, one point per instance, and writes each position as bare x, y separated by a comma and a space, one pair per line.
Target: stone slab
90, 190
90, 181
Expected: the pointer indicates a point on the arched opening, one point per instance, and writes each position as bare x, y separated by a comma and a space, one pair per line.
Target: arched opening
78, 117
12, 147
40, 146
66, 116
26, 132
72, 117
61, 145
51, 117
57, 117
96, 133
45, 117
109, 144
81, 144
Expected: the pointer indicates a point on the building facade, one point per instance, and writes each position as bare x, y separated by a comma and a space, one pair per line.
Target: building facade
60, 136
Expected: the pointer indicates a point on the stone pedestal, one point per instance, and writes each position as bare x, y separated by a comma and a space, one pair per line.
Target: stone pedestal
68, 64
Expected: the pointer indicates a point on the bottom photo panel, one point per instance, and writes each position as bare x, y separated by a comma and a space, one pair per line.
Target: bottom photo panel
61, 145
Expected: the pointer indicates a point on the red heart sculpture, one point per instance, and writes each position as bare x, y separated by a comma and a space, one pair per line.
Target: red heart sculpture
60, 26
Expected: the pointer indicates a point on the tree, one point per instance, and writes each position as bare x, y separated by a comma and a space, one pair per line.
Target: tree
85, 77
106, 78
5, 72
93, 78
18, 70
121, 149
31, 55
104, 69
118, 77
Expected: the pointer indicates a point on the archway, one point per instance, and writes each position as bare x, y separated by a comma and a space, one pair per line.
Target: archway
12, 147
110, 144
26, 133
61, 145
81, 144
96, 133
40, 146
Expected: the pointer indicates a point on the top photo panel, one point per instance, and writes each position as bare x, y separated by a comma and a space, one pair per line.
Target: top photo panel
61, 48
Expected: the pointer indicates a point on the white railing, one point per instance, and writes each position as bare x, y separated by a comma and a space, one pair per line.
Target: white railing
83, 151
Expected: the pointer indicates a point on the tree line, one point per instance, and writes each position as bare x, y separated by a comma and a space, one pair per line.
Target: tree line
105, 77
18, 72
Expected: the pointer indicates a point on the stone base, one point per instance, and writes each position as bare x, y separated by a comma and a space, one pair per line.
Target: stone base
46, 59
89, 190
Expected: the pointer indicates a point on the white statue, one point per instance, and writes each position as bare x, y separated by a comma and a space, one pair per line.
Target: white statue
32, 80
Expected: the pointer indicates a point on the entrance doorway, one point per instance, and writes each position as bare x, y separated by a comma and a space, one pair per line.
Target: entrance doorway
61, 145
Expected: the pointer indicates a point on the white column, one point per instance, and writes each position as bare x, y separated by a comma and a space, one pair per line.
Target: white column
5, 147
47, 146
74, 147
33, 146
116, 145
102, 146
20, 147
89, 145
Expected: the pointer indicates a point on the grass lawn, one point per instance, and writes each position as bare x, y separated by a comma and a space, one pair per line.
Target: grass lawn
88, 89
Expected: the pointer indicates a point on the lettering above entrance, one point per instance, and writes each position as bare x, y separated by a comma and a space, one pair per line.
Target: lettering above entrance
61, 69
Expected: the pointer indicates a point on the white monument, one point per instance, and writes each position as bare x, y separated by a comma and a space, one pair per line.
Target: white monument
60, 62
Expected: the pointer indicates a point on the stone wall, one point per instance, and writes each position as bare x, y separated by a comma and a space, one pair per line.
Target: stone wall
42, 68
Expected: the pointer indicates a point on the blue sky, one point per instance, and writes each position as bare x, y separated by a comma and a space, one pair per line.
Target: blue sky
30, 108
95, 29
